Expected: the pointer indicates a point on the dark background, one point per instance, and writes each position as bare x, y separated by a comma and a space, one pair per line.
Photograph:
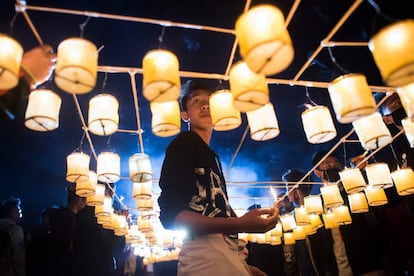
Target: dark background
33, 164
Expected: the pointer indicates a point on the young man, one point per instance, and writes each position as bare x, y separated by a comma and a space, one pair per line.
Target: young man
12, 262
194, 197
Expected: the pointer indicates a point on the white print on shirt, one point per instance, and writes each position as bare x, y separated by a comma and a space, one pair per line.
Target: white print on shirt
216, 189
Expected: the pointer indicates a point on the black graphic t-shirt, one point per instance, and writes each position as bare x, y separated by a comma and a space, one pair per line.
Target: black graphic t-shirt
191, 179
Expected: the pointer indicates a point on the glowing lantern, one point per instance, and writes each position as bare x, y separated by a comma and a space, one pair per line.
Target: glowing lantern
263, 123
166, 120
103, 115
403, 181
375, 196
372, 131
140, 169
11, 53
77, 164
224, 115
76, 66
379, 175
318, 124
249, 90
108, 167
264, 41
161, 79
42, 112
87, 188
352, 180
351, 97
393, 51
331, 196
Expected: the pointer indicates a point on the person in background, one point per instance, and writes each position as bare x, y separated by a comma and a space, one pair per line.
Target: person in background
37, 244
358, 247
62, 232
298, 261
95, 248
13, 260
37, 66
194, 197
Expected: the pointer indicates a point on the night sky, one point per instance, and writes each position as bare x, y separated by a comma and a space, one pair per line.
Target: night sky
33, 164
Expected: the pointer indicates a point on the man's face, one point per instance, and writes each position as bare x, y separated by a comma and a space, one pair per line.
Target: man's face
329, 168
198, 110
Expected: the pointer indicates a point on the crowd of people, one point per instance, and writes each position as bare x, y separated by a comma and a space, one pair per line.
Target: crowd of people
67, 241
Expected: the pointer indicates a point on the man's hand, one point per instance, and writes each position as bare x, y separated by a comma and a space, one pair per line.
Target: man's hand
38, 64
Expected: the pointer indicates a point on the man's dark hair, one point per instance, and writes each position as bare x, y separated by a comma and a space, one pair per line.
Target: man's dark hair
317, 156
9, 204
189, 87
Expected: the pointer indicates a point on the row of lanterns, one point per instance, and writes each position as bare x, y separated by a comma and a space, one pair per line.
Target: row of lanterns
266, 49
140, 234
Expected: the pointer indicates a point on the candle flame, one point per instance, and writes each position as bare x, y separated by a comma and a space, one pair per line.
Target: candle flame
272, 191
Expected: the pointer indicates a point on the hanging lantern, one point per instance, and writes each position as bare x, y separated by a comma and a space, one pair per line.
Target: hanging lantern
144, 225
108, 167
140, 169
87, 188
264, 41
329, 220
301, 216
406, 95
224, 115
166, 118
108, 223
11, 53
379, 175
42, 112
98, 197
289, 238
121, 226
263, 123
145, 204
76, 66
103, 115
375, 196
403, 181
372, 131
161, 79
249, 90
331, 196
77, 164
288, 222
352, 180
106, 209
142, 190
358, 202
316, 223
408, 126
275, 241
300, 232
342, 215
393, 51
351, 97
318, 124
277, 231
103, 220
313, 204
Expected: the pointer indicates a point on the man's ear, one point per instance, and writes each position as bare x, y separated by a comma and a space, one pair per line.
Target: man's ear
184, 116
